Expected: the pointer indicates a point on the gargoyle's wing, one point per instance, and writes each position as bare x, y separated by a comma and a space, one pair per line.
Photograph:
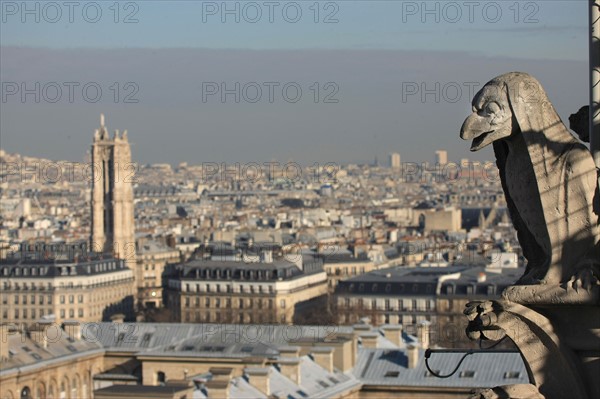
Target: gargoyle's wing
532, 251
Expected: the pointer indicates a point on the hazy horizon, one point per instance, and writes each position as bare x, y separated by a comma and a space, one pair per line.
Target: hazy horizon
355, 77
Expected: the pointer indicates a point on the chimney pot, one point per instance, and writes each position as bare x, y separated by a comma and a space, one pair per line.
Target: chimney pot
323, 356
259, 377
73, 328
369, 340
290, 368
393, 334
412, 353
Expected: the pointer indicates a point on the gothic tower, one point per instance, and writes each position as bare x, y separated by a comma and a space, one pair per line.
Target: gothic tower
112, 195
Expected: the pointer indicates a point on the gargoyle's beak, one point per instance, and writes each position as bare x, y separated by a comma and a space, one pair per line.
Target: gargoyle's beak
478, 129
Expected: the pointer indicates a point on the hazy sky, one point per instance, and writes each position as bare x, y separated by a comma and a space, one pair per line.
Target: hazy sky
361, 68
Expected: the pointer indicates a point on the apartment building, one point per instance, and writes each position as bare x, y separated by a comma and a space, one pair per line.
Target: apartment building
244, 291
43, 281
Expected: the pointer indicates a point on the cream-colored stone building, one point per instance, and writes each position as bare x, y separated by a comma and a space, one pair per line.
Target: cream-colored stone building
338, 269
239, 292
47, 361
65, 286
152, 257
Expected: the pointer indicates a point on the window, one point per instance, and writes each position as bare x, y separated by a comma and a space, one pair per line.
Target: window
282, 303
71, 298
467, 374
62, 299
161, 378
512, 374
26, 393
80, 313
41, 300
392, 374
80, 298
146, 340
62, 313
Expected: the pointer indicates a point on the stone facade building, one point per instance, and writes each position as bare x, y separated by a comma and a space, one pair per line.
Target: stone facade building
41, 281
152, 258
413, 295
269, 291
47, 361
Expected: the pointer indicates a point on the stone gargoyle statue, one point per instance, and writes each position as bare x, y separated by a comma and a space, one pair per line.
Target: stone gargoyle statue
552, 313
548, 177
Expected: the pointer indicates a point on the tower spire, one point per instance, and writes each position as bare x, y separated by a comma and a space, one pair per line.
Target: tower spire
102, 120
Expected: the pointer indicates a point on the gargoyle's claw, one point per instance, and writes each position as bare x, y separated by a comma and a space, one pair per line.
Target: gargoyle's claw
584, 278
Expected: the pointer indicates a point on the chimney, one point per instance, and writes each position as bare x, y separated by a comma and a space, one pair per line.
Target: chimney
4, 334
268, 256
218, 386
217, 389
221, 373
38, 333
289, 351
393, 334
359, 329
118, 318
369, 340
423, 333
290, 368
73, 328
259, 378
412, 353
323, 356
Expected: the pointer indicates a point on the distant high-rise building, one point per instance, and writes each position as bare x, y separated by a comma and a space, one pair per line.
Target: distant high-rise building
441, 157
395, 161
112, 195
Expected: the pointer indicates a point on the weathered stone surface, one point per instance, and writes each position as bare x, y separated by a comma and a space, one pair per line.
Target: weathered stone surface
552, 314
553, 367
518, 391
548, 177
